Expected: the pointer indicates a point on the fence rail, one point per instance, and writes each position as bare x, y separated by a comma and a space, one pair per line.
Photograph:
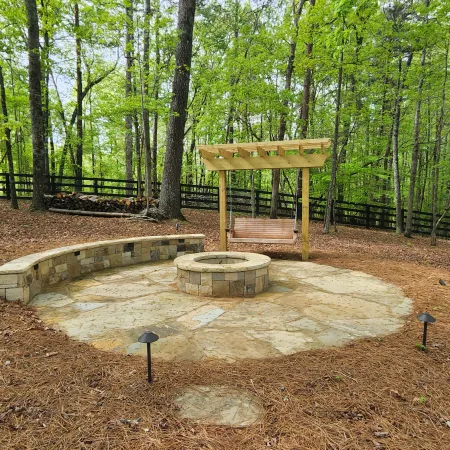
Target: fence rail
239, 200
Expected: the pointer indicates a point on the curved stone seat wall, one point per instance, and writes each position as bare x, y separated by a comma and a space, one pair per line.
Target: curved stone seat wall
23, 278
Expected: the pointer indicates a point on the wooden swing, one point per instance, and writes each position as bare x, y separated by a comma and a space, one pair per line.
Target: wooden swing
262, 231
256, 156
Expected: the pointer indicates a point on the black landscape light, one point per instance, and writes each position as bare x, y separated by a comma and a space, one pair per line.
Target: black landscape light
426, 319
148, 338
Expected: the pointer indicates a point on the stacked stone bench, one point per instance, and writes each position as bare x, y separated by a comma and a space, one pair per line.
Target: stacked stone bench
23, 278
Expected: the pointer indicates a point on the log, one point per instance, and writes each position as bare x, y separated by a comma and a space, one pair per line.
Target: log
77, 212
82, 202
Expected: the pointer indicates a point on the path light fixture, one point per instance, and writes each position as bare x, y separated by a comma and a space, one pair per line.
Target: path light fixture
148, 338
426, 318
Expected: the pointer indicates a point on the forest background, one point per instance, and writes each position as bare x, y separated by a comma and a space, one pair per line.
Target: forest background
372, 75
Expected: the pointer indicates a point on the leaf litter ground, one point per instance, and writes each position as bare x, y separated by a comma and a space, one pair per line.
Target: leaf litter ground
56, 393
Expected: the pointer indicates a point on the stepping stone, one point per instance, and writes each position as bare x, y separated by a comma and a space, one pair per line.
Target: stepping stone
218, 405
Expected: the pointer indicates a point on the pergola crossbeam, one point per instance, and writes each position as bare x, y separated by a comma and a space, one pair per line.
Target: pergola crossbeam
252, 147
266, 162
242, 152
261, 151
225, 154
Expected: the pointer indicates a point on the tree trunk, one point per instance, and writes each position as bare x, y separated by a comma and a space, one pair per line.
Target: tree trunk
395, 138
154, 178
8, 145
437, 154
46, 100
282, 125
79, 146
154, 148
52, 150
35, 93
395, 166
138, 154
128, 93
381, 134
145, 113
304, 108
304, 111
334, 162
170, 200
415, 151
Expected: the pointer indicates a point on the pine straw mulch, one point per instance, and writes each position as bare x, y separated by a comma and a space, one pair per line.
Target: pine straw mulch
56, 393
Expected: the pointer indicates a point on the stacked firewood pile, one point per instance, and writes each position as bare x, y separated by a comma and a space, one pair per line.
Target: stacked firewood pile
82, 202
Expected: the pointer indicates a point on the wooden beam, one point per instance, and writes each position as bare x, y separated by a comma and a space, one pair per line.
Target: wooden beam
242, 152
305, 213
207, 155
280, 150
267, 162
223, 210
261, 151
225, 154
268, 146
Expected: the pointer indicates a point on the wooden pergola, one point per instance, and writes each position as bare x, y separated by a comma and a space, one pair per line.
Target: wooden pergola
294, 154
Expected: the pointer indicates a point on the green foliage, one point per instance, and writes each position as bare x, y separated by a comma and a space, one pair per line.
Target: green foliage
238, 89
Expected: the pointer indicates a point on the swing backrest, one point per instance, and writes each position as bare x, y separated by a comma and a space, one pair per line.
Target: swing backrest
246, 227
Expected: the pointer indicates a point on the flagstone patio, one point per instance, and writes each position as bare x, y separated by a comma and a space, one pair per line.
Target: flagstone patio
306, 306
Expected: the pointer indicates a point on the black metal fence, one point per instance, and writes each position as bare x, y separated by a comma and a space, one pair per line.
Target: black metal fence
239, 200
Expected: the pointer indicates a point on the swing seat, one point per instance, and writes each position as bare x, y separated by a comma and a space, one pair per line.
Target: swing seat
263, 231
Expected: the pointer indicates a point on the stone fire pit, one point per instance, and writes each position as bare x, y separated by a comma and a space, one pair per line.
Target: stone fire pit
223, 274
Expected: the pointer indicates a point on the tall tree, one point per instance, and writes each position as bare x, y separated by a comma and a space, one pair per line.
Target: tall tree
154, 149
297, 11
395, 141
415, 150
35, 96
334, 155
145, 112
79, 126
8, 145
45, 62
437, 152
416, 144
307, 81
170, 200
128, 93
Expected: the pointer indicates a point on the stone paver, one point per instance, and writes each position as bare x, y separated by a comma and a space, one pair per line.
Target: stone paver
218, 405
306, 306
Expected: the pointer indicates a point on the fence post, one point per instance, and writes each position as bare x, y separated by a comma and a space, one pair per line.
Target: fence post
52, 185
217, 197
96, 186
8, 186
367, 216
257, 202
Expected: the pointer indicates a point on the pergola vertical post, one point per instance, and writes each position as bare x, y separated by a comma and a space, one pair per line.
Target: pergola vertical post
223, 210
305, 213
